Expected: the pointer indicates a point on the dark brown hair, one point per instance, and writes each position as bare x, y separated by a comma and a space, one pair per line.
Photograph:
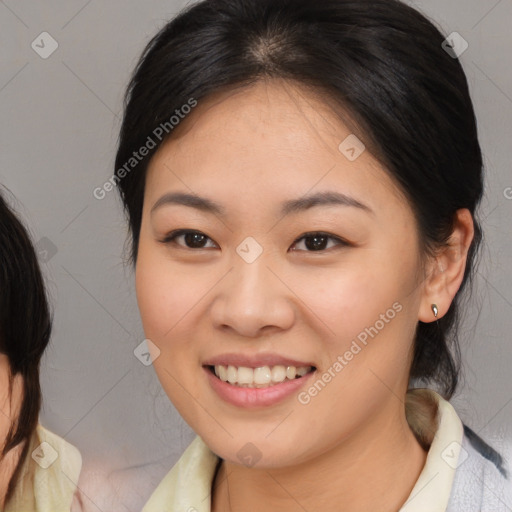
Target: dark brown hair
25, 326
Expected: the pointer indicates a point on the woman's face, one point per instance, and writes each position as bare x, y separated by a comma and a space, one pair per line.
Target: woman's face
251, 284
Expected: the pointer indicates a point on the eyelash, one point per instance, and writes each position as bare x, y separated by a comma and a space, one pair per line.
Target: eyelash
171, 237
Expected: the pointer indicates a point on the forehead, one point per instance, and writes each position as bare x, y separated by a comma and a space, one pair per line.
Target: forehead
258, 113
270, 139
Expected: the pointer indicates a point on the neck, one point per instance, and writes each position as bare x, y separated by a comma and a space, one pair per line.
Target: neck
373, 469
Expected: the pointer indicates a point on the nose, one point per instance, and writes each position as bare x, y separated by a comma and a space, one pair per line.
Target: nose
253, 299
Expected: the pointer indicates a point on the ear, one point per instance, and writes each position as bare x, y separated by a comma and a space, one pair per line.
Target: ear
446, 270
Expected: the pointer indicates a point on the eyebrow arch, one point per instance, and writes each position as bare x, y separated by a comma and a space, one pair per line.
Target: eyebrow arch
327, 198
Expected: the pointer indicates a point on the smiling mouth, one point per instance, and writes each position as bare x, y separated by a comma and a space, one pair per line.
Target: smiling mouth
262, 377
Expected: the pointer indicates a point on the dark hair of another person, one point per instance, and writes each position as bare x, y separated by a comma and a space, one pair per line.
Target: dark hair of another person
380, 62
25, 326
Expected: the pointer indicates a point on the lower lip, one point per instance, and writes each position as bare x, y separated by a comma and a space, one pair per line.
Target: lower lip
255, 397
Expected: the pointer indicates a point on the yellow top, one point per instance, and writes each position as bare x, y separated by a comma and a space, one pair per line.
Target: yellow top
187, 486
48, 476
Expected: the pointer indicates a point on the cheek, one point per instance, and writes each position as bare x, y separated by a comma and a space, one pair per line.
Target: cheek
166, 299
365, 307
348, 300
165, 295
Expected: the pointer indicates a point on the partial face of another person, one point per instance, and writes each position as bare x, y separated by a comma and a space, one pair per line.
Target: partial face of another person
335, 285
10, 403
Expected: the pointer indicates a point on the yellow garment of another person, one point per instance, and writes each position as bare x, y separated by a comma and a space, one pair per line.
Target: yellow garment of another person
48, 477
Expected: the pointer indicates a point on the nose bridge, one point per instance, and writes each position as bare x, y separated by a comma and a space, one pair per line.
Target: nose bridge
252, 297
250, 285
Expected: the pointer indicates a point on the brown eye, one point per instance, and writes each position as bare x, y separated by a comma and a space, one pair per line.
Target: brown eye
316, 242
192, 239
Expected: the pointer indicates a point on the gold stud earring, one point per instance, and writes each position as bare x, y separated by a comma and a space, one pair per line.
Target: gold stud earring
434, 309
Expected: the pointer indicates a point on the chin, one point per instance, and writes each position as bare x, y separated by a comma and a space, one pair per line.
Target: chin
253, 452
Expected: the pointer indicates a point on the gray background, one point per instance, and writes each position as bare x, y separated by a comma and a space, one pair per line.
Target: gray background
59, 124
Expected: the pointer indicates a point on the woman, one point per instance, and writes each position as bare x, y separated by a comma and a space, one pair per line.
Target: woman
301, 180
38, 469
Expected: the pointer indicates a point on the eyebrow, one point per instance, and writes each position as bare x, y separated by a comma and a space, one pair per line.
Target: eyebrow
204, 204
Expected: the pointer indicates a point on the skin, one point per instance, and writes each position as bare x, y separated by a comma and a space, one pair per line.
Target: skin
249, 151
9, 408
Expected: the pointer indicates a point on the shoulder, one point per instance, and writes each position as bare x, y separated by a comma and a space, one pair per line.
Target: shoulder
482, 481
102, 486
463, 473
486, 451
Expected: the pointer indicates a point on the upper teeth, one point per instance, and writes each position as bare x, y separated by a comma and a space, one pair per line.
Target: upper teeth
259, 377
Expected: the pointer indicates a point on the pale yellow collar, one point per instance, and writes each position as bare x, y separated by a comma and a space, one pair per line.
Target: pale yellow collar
49, 475
431, 493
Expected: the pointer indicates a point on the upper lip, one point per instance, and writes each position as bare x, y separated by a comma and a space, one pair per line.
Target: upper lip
255, 361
